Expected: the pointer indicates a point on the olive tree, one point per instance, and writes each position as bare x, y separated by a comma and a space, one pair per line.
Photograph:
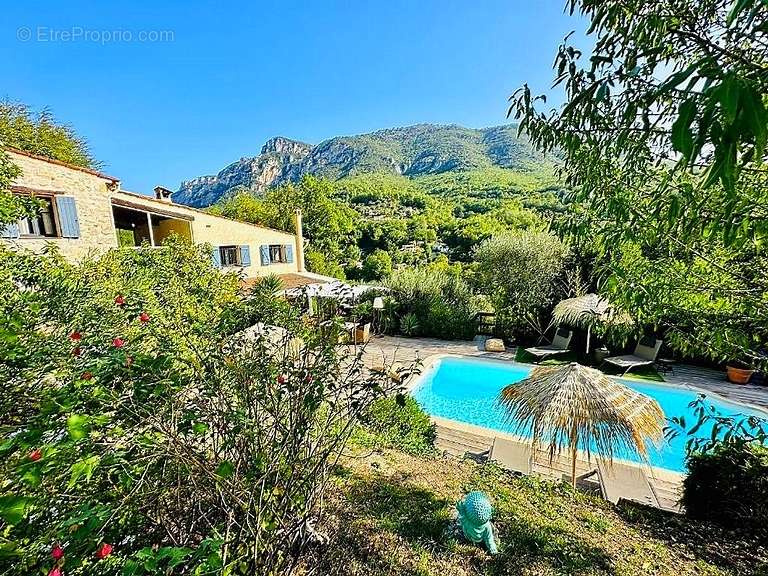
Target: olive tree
521, 273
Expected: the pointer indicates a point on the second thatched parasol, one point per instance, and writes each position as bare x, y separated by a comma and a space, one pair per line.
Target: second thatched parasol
572, 406
587, 311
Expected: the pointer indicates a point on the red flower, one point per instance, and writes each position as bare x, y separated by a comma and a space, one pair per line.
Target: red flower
55, 571
104, 551
57, 552
281, 379
144, 317
76, 336
86, 375
119, 300
118, 342
35, 455
76, 351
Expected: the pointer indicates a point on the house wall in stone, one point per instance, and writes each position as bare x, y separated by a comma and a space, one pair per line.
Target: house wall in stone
91, 194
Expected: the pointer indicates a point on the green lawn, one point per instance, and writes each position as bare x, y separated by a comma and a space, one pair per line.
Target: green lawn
389, 511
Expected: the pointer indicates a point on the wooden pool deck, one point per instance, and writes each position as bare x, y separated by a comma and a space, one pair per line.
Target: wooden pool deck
464, 440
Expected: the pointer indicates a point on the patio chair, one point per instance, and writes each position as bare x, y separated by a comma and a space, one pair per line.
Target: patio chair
622, 481
645, 354
558, 346
512, 455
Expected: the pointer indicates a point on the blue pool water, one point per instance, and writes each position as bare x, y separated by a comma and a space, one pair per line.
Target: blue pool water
467, 390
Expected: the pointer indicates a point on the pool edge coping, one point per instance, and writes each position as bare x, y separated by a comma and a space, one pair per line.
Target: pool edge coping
664, 474
429, 361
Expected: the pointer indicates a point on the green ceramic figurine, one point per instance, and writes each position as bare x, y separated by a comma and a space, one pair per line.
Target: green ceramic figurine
475, 512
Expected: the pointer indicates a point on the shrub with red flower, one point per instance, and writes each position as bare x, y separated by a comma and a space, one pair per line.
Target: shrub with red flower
103, 551
76, 336
144, 442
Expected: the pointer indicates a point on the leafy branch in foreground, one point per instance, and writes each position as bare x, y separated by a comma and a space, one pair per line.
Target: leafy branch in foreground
664, 141
711, 429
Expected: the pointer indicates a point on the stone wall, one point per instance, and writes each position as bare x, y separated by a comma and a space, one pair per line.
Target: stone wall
91, 194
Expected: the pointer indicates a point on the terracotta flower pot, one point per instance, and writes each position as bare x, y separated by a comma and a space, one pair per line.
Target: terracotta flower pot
739, 375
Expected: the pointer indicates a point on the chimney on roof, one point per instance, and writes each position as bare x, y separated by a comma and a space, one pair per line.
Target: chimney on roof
299, 242
163, 194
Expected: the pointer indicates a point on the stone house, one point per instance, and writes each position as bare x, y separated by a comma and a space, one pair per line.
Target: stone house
87, 212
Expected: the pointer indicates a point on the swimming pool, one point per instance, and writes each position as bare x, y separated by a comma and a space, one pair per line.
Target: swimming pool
466, 390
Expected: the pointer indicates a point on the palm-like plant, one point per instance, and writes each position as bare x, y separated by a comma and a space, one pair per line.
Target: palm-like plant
572, 406
588, 311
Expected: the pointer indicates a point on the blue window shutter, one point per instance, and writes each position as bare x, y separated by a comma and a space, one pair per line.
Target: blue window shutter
245, 255
216, 257
68, 222
10, 230
289, 253
264, 251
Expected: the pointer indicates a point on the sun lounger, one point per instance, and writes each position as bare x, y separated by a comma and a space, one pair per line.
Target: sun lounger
644, 355
559, 345
512, 455
622, 481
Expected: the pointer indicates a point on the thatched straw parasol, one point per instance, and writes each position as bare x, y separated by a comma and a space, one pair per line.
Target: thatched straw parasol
586, 311
578, 407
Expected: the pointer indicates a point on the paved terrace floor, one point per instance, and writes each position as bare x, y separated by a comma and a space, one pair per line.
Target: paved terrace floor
475, 442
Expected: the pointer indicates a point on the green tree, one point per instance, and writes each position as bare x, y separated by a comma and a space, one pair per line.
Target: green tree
663, 135
12, 207
328, 225
377, 265
39, 133
521, 273
139, 414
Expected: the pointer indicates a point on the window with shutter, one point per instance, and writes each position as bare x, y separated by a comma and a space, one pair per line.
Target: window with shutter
245, 255
264, 253
10, 231
68, 222
230, 255
41, 224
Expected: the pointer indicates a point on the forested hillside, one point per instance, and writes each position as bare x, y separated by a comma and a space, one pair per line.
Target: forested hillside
361, 226
410, 151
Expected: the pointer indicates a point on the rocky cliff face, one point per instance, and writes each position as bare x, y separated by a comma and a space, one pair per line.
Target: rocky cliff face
256, 173
411, 151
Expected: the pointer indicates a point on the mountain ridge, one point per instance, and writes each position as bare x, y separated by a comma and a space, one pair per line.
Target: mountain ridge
409, 151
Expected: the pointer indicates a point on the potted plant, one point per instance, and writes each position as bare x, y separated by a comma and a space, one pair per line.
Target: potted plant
739, 372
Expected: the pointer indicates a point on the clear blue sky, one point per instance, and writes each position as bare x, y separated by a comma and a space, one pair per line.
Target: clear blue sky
227, 76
